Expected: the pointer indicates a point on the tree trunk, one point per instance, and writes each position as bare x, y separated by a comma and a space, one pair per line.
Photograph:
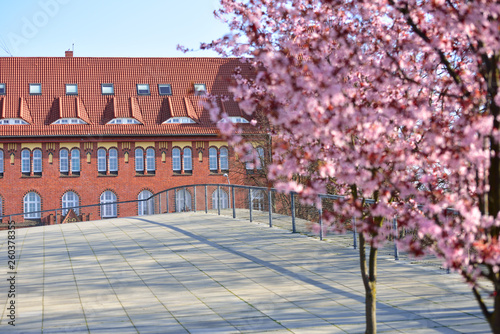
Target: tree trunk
369, 276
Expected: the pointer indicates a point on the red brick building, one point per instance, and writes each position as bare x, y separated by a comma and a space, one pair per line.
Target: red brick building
79, 131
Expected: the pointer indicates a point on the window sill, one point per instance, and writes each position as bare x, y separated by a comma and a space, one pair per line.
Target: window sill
107, 175
182, 174
144, 175
69, 176
31, 176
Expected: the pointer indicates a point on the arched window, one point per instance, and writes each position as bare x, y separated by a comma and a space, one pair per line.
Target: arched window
108, 210
63, 161
257, 199
223, 200
1, 163
188, 160
113, 160
212, 159
25, 161
176, 160
260, 153
32, 203
182, 200
139, 160
70, 200
37, 161
101, 160
75, 161
224, 159
150, 160
145, 207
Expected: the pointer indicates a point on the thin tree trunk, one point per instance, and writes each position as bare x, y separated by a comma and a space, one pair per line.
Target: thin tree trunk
368, 274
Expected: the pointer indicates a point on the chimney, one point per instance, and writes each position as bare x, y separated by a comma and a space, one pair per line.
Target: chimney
69, 54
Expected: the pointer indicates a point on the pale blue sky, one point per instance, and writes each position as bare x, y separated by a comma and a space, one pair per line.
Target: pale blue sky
107, 28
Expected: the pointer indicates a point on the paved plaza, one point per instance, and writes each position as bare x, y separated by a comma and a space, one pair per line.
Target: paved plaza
203, 273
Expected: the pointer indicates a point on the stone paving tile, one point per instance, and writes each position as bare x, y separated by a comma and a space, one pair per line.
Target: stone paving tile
198, 273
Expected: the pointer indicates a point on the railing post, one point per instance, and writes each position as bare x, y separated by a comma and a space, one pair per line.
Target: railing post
355, 240
55, 216
166, 194
194, 194
270, 207
159, 204
176, 193
206, 203
320, 211
292, 197
250, 204
218, 200
185, 199
232, 199
395, 227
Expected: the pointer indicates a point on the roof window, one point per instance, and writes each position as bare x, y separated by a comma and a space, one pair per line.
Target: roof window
2, 89
234, 119
107, 89
13, 121
71, 89
35, 89
143, 89
200, 89
165, 89
124, 120
179, 120
70, 120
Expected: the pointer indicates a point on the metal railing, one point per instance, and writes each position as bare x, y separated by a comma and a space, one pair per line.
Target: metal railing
259, 204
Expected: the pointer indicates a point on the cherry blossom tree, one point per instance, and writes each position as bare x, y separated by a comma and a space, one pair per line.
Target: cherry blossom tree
396, 101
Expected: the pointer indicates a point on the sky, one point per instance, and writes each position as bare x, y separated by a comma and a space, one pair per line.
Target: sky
107, 28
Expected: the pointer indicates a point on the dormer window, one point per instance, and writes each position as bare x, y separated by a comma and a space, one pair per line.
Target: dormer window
143, 89
2, 89
124, 120
70, 120
164, 89
234, 120
200, 89
13, 121
107, 89
71, 89
179, 120
35, 89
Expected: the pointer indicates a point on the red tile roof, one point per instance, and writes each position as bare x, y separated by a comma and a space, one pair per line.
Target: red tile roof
53, 73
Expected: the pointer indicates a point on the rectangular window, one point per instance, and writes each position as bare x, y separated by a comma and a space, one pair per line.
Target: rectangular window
164, 89
35, 89
107, 89
2, 89
71, 89
200, 89
143, 89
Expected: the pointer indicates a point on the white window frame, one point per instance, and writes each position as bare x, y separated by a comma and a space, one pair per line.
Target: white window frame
260, 153
35, 89
25, 161
37, 161
143, 89
150, 160
200, 89
139, 160
101, 160
113, 159
69, 90
32, 202
212, 159
182, 200
108, 210
107, 89
187, 158
63, 160
224, 158
70, 199
224, 199
75, 160
176, 159
145, 207
1, 162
